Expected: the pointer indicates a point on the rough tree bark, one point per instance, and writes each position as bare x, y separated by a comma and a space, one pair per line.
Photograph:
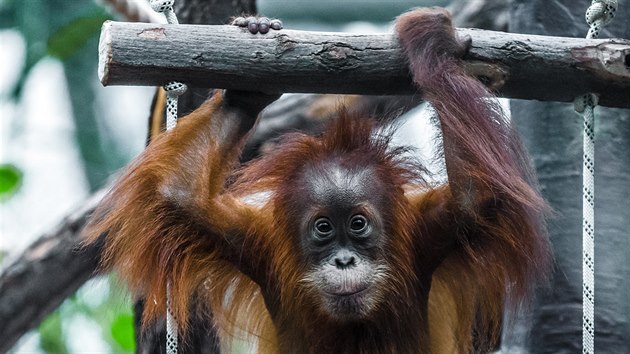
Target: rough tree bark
515, 65
207, 12
554, 139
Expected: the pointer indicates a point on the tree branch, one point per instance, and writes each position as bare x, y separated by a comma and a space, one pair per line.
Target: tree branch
51, 269
516, 65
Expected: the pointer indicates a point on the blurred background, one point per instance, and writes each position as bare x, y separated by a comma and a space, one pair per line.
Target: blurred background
63, 135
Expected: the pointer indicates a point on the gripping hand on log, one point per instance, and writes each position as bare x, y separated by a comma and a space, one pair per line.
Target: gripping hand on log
256, 25
256, 100
491, 194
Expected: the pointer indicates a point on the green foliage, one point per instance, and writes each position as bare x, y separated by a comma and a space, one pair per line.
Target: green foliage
51, 335
10, 180
122, 331
50, 27
68, 31
112, 315
74, 35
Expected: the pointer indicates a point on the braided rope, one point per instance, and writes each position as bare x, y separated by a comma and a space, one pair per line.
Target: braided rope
173, 91
171, 324
165, 7
598, 15
586, 106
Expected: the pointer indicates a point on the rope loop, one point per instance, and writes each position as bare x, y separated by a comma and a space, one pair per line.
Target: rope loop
598, 15
582, 102
165, 7
175, 88
171, 324
602, 11
162, 5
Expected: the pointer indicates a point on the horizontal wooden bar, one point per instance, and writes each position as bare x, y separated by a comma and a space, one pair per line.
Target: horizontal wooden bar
515, 65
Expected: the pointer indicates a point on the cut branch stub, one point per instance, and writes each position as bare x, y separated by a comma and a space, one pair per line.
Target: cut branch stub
515, 65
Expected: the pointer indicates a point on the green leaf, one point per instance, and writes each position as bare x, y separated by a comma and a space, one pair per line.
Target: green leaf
122, 331
51, 335
10, 180
74, 35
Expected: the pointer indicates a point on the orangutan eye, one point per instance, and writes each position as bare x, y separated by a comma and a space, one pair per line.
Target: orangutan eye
323, 227
358, 224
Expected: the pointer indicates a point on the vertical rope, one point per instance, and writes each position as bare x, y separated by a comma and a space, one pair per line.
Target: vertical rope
171, 324
173, 91
599, 14
587, 106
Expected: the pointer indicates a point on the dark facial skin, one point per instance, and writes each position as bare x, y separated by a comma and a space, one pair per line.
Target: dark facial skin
342, 236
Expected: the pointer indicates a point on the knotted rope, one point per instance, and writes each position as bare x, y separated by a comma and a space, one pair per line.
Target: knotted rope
173, 91
598, 15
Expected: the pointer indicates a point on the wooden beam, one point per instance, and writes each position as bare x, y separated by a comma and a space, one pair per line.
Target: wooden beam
515, 65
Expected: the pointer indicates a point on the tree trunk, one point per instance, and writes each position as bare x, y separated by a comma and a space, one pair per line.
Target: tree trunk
554, 139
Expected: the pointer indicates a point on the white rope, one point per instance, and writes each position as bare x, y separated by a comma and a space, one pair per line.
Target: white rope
173, 91
165, 7
586, 106
171, 324
599, 14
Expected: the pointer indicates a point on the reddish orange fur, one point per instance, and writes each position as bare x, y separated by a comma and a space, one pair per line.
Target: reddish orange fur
502, 246
457, 253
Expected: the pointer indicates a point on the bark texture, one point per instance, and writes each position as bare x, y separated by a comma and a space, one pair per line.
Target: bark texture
515, 65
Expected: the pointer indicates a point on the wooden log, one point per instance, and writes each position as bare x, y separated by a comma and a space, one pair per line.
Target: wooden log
515, 65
